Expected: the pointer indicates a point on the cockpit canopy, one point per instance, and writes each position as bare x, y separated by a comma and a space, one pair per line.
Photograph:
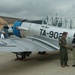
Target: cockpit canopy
59, 22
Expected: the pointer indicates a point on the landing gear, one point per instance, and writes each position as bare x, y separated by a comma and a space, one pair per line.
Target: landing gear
22, 55
44, 52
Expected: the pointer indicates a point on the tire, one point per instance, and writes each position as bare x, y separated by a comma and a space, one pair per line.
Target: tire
28, 54
44, 52
21, 56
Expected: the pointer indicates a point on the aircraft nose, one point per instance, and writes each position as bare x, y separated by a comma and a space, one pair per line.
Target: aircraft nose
15, 30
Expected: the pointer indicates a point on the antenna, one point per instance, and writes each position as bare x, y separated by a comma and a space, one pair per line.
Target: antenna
65, 23
56, 20
70, 24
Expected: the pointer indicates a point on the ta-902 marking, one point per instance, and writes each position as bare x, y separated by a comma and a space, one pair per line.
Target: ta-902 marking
51, 34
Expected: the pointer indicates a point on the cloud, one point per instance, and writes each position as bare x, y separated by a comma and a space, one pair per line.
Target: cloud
37, 8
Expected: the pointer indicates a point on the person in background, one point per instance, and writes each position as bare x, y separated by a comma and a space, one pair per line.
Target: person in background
2, 35
73, 43
63, 50
5, 28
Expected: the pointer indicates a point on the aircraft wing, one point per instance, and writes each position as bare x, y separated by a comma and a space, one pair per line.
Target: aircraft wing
25, 44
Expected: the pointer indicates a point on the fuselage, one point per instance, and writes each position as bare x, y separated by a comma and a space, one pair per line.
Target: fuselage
44, 32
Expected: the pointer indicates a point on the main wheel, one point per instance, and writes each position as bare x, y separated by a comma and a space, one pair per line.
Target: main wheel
21, 55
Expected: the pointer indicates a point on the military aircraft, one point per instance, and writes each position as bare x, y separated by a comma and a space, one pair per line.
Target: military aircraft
34, 37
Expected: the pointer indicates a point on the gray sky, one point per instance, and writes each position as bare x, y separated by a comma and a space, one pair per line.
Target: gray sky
37, 9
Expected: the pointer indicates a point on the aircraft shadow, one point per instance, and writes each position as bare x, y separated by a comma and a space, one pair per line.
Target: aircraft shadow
12, 67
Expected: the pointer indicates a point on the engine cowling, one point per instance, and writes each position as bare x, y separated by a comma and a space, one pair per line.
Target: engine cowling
21, 29
15, 30
24, 29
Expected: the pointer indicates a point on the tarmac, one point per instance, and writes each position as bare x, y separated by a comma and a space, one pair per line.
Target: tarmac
48, 64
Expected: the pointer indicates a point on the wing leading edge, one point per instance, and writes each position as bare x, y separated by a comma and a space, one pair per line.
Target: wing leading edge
25, 44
